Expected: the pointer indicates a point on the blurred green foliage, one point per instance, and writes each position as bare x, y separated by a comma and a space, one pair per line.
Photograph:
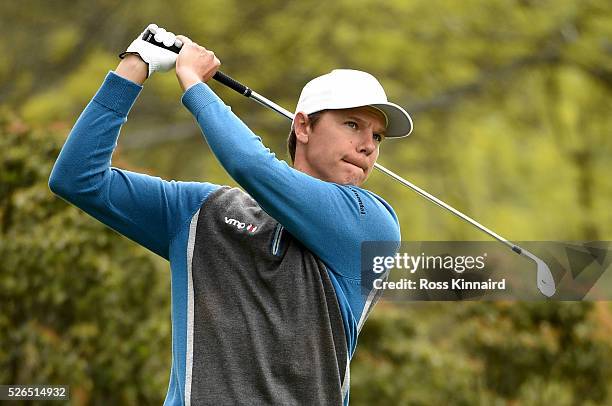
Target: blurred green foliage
80, 305
511, 102
471, 353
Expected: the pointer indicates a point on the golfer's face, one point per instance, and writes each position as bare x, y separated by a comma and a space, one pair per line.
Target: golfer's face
344, 144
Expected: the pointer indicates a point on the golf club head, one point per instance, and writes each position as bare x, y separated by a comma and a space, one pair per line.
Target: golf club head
545, 282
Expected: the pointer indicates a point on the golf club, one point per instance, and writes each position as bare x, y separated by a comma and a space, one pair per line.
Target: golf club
545, 281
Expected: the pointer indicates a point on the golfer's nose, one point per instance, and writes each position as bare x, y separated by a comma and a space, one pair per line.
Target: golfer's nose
367, 145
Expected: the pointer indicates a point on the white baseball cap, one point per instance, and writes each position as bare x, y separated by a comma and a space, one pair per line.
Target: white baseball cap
348, 88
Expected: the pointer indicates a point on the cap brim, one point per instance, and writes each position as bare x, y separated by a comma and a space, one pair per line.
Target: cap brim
399, 121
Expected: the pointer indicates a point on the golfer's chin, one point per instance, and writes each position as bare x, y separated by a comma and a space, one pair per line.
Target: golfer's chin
352, 175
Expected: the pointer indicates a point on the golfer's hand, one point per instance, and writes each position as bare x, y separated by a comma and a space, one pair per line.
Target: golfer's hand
157, 58
194, 63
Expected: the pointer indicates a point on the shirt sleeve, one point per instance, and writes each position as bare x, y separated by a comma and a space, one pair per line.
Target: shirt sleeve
144, 208
331, 220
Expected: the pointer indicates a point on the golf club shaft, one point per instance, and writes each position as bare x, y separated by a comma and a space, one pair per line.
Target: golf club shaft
246, 91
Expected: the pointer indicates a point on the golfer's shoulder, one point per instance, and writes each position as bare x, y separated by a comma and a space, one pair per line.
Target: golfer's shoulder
376, 211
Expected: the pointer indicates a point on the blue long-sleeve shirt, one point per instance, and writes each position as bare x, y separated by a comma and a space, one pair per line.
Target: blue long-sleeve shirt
275, 270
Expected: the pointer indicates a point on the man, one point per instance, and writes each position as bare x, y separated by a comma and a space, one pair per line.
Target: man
266, 295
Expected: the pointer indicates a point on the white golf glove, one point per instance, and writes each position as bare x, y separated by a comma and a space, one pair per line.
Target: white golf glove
158, 58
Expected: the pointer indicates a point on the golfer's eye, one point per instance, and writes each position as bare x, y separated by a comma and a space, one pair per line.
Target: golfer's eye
378, 137
352, 124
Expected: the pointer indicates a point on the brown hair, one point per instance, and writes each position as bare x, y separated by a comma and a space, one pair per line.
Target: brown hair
291, 140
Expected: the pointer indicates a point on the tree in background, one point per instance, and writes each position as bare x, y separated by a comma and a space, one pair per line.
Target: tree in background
475, 353
81, 306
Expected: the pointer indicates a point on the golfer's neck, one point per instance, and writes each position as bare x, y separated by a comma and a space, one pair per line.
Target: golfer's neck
303, 166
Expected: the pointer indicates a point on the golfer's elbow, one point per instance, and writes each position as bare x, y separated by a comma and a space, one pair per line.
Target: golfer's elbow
71, 181
59, 183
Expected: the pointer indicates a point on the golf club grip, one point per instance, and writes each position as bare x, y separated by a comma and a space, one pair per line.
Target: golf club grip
149, 37
232, 83
221, 77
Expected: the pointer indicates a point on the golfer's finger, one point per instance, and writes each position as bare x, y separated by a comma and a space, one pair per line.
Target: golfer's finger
183, 39
152, 28
160, 34
170, 39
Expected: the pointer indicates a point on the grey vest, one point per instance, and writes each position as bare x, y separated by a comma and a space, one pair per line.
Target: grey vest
264, 326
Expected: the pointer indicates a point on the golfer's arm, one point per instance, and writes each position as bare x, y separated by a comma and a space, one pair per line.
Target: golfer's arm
328, 218
146, 209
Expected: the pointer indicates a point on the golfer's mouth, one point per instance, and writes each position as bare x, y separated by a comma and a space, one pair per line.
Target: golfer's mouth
354, 164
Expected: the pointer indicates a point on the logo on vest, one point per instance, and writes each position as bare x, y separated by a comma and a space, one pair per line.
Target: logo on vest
240, 225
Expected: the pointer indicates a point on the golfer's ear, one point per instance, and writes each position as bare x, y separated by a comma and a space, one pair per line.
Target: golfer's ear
301, 127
